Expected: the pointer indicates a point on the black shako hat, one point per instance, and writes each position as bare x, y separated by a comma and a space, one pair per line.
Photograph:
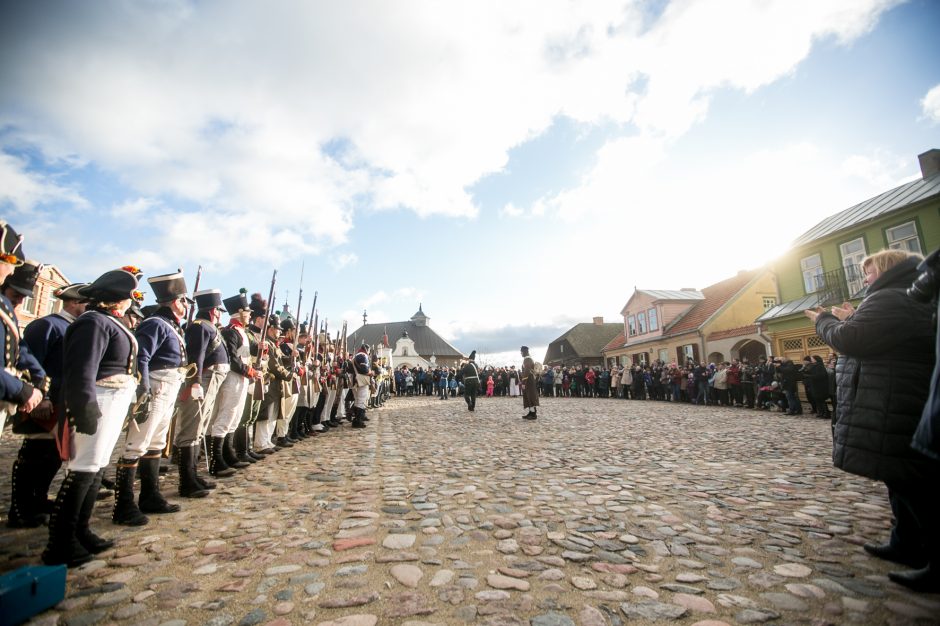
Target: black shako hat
112, 286
11, 245
287, 324
70, 292
237, 304
24, 277
168, 287
207, 299
258, 306
473, 356
274, 322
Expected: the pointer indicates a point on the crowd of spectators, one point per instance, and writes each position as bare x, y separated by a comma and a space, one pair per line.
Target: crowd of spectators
770, 384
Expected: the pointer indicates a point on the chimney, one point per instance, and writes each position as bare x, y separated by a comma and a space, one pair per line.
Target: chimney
929, 163
598, 321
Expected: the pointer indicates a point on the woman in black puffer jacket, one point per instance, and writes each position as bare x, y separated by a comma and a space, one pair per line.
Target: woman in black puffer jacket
883, 378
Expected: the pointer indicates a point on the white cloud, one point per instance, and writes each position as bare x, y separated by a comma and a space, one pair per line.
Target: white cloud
930, 105
339, 261
299, 110
22, 190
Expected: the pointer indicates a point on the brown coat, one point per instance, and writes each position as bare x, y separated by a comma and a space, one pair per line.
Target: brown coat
530, 384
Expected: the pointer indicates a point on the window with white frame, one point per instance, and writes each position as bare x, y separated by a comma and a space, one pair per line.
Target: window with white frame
631, 325
654, 319
663, 355
769, 302
641, 322
904, 237
812, 273
853, 252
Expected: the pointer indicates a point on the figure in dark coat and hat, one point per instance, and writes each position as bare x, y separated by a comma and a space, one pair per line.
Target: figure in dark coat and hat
530, 385
471, 381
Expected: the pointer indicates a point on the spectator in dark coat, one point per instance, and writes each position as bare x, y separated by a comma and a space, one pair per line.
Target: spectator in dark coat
883, 377
817, 378
789, 376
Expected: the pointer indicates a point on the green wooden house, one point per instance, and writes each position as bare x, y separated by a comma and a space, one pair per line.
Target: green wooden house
823, 266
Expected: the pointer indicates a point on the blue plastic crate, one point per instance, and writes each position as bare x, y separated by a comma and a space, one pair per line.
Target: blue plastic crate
30, 590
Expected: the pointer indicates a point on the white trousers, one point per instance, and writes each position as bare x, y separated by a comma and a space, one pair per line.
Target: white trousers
151, 435
263, 431
229, 405
513, 388
361, 395
90, 453
328, 405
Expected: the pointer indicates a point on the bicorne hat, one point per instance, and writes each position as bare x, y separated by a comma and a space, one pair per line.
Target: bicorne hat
112, 286
11, 245
168, 287
237, 304
70, 292
24, 277
207, 299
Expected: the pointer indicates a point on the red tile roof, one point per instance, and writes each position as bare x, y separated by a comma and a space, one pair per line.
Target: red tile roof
733, 332
715, 297
615, 343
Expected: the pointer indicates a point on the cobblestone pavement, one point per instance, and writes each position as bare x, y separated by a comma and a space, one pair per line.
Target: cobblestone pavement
600, 512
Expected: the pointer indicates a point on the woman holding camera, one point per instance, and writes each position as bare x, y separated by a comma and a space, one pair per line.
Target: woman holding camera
882, 379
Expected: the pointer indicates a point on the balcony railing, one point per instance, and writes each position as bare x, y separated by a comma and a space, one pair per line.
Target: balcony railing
837, 286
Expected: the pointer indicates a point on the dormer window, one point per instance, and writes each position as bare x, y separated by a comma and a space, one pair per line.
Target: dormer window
631, 325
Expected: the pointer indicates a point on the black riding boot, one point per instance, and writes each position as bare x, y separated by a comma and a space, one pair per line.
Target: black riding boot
151, 500
189, 486
89, 540
125, 510
217, 465
23, 510
228, 453
64, 547
202, 480
359, 417
240, 439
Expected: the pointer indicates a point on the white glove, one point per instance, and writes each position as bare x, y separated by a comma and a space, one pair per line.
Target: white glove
197, 392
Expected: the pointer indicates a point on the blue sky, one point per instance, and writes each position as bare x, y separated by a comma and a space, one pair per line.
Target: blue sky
515, 169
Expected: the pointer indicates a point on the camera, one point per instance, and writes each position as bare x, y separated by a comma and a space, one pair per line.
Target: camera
925, 287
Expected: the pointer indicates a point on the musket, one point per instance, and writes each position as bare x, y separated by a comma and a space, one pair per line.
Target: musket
192, 308
264, 330
300, 298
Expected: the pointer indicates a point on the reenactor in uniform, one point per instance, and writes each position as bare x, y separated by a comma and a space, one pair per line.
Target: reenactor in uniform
471, 381
38, 459
209, 362
161, 361
271, 404
15, 393
100, 383
289, 388
361, 385
230, 403
258, 311
530, 385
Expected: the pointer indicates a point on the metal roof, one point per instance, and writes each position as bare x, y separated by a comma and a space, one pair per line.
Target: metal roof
666, 294
427, 342
887, 202
791, 307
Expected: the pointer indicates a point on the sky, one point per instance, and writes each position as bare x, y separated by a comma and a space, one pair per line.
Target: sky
514, 168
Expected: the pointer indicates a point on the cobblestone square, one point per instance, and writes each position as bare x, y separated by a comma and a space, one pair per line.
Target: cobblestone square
600, 512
